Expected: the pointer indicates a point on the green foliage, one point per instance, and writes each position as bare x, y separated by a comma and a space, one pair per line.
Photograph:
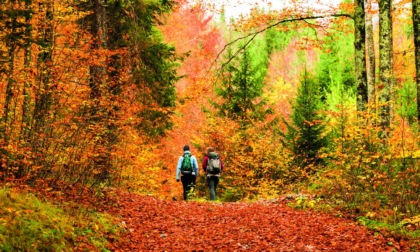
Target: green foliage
242, 83
335, 68
29, 224
277, 40
154, 67
398, 228
406, 101
232, 194
306, 137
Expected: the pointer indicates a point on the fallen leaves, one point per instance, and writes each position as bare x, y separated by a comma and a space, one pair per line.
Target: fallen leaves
155, 224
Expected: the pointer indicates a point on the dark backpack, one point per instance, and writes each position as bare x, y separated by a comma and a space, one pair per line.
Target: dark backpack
186, 166
214, 165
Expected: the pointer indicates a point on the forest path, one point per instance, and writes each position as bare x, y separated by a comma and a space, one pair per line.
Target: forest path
153, 224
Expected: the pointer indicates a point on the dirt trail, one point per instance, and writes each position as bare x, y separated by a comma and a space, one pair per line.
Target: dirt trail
159, 225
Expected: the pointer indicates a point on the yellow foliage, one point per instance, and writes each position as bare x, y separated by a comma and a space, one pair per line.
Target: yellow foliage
413, 221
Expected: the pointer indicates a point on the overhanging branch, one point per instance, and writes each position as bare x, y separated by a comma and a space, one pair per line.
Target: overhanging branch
254, 34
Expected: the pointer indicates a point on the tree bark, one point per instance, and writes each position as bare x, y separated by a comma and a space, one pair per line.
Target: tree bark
370, 46
416, 30
360, 55
385, 64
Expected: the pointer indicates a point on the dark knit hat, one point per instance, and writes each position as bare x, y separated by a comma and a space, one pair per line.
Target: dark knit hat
186, 147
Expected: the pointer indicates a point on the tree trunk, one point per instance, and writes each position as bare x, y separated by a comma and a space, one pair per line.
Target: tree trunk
98, 78
385, 64
416, 29
11, 46
26, 103
43, 98
4, 123
370, 56
26, 107
360, 55
98, 31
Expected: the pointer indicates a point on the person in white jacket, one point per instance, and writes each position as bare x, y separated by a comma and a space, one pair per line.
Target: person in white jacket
187, 169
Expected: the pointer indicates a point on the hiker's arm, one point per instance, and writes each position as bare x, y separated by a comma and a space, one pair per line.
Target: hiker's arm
178, 167
195, 166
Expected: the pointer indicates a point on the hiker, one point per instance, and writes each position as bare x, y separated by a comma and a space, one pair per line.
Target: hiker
213, 167
187, 167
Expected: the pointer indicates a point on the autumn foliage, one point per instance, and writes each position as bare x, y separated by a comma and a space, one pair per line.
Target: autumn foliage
95, 97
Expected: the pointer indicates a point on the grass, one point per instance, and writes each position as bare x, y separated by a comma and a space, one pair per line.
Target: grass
30, 224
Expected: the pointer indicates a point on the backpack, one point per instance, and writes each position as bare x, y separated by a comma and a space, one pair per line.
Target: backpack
214, 165
186, 166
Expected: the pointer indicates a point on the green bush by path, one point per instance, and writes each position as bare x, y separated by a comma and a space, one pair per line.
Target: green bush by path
30, 224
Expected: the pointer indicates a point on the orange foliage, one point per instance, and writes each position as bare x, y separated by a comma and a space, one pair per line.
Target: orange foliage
189, 29
404, 68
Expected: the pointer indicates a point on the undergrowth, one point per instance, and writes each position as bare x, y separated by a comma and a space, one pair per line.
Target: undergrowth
28, 223
408, 228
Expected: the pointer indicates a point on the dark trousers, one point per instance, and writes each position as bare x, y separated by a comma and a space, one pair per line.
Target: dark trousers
188, 183
212, 182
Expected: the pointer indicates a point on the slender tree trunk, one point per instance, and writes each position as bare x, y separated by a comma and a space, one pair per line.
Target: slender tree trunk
360, 55
26, 107
43, 94
11, 45
385, 64
98, 78
26, 104
98, 31
4, 123
43, 98
370, 56
416, 29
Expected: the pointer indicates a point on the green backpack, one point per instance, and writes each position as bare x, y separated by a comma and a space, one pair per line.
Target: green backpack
186, 166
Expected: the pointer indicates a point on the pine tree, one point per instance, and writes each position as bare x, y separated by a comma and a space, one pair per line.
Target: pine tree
305, 137
242, 85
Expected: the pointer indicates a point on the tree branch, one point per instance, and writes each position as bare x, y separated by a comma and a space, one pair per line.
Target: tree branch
254, 34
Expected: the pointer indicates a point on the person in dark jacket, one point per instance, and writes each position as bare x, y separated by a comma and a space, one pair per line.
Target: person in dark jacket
212, 178
187, 179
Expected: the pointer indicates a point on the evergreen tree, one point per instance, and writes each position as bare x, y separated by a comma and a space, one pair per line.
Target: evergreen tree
305, 137
241, 86
333, 70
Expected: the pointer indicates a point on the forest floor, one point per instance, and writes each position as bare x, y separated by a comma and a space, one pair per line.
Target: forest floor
163, 225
